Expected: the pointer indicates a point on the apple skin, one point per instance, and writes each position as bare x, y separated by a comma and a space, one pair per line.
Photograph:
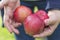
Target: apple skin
42, 14
21, 13
33, 25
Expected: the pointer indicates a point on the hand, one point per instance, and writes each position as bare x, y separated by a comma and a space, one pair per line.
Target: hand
9, 8
53, 22
54, 16
11, 25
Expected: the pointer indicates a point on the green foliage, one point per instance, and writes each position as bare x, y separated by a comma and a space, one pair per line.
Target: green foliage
4, 34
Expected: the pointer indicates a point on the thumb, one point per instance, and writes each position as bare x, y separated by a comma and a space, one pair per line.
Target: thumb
49, 21
52, 18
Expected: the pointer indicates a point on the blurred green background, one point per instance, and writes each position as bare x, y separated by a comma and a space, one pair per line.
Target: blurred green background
4, 34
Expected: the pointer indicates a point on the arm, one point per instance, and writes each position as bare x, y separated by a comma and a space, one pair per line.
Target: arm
3, 3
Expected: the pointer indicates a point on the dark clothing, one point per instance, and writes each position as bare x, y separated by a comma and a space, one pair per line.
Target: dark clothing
53, 4
40, 5
32, 0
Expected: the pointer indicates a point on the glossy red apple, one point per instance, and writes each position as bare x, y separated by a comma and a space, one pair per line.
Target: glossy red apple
33, 25
21, 13
42, 14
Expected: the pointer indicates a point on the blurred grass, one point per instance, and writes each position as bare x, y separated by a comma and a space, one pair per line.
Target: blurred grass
4, 34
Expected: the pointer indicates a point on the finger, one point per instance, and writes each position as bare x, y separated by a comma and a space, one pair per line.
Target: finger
7, 25
15, 30
52, 18
47, 32
43, 34
15, 24
8, 28
50, 21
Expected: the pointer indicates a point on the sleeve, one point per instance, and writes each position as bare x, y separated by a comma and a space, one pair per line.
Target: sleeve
53, 4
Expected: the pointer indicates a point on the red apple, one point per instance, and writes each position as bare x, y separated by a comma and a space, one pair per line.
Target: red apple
21, 13
33, 25
42, 14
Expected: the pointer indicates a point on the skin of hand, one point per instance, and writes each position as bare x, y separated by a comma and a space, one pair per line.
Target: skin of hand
3, 3
53, 22
9, 7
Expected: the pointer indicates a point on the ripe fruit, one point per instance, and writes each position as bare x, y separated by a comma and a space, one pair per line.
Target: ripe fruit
21, 13
33, 25
42, 14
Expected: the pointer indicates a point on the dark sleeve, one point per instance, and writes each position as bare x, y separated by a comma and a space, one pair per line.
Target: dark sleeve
2, 14
53, 4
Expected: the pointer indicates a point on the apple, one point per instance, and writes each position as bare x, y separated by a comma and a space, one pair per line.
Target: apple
33, 25
21, 13
42, 14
